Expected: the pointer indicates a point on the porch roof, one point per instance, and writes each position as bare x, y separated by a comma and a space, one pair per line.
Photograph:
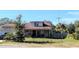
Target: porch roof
38, 28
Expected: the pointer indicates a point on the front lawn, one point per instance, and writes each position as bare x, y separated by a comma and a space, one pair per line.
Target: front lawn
42, 42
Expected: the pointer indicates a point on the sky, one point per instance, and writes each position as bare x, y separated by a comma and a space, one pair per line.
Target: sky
65, 16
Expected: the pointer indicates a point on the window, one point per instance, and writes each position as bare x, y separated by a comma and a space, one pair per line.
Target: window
38, 24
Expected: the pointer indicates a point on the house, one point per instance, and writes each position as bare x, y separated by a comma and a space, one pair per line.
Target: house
38, 28
7, 27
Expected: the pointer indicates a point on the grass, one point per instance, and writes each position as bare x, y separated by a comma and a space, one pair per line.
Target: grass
43, 42
33, 42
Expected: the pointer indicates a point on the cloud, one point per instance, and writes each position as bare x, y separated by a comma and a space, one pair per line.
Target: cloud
68, 20
73, 13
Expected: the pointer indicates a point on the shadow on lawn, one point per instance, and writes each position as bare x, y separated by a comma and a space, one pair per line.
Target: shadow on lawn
36, 42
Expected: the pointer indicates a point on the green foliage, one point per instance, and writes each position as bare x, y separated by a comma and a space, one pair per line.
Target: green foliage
19, 36
76, 35
9, 36
76, 24
61, 27
70, 36
71, 28
58, 27
19, 30
60, 31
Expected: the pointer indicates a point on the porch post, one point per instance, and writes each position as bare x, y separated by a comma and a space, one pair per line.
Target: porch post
31, 32
36, 33
49, 33
45, 33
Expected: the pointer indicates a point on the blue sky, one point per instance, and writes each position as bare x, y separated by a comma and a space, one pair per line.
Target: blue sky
66, 16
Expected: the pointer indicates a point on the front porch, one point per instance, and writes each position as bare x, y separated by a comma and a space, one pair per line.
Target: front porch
38, 33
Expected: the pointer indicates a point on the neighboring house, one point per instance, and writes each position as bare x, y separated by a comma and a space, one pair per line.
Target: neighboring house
38, 28
7, 27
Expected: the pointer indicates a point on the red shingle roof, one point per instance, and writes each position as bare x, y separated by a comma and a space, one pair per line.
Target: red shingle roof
29, 26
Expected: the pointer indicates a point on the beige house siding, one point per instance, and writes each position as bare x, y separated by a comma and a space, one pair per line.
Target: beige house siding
7, 28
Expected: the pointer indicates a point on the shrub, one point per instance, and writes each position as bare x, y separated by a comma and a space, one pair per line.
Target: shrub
76, 36
59, 35
70, 36
19, 37
9, 36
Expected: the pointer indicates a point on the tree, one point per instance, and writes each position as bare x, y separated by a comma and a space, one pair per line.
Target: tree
58, 27
76, 24
71, 28
76, 30
60, 31
61, 27
19, 30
